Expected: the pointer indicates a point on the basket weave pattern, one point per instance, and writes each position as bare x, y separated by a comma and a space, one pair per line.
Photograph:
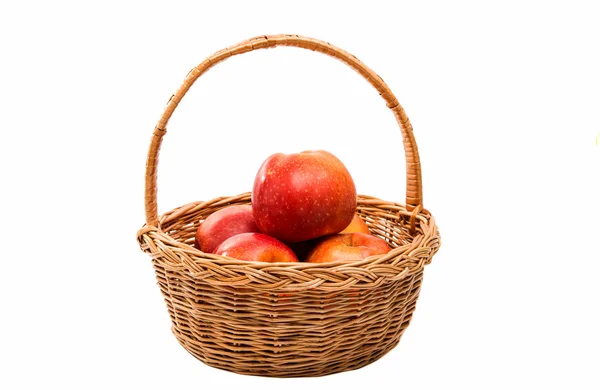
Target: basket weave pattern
290, 319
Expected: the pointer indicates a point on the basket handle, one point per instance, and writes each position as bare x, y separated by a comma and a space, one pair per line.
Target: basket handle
414, 196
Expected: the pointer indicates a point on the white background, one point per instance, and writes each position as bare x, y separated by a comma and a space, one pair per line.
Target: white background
504, 99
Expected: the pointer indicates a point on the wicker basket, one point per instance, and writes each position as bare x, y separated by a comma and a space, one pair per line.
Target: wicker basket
290, 319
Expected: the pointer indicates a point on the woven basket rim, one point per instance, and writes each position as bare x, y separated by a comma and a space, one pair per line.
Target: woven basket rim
203, 259
225, 260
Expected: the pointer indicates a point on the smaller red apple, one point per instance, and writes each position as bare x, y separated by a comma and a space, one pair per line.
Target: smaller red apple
223, 224
256, 247
353, 246
356, 226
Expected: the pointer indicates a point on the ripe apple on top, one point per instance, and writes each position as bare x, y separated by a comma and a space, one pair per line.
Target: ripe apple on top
301, 196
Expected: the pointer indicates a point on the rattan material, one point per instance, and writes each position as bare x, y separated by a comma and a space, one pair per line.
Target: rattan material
290, 319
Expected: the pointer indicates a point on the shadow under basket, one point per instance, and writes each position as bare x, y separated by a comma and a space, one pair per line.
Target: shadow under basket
290, 319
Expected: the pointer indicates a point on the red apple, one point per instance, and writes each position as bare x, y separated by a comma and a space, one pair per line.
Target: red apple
297, 197
256, 247
223, 224
356, 226
353, 246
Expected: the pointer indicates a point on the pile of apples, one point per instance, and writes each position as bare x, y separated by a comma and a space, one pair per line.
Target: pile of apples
303, 209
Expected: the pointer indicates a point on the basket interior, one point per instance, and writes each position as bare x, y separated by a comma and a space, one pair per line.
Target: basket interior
391, 223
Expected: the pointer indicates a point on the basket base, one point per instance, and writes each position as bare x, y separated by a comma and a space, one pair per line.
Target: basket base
334, 361
312, 369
